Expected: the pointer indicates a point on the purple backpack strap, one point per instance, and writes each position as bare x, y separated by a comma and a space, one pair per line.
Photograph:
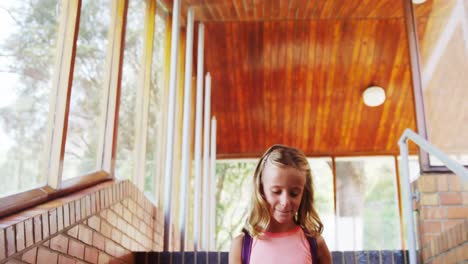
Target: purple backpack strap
246, 248
313, 246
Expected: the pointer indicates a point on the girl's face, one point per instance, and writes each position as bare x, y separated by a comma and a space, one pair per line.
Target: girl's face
283, 189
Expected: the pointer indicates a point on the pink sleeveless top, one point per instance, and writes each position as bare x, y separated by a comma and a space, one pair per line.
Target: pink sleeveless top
288, 247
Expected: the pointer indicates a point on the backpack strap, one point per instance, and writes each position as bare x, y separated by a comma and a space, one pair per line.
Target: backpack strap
246, 247
313, 246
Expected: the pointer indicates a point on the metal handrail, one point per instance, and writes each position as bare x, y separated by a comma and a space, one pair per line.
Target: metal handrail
405, 180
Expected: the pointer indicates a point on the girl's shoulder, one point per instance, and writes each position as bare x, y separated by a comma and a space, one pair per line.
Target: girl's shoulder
322, 250
238, 238
236, 249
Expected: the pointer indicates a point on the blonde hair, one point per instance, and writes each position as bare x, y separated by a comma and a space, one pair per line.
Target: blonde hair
259, 217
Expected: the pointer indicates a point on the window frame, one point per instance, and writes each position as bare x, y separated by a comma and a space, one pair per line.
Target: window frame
414, 51
59, 110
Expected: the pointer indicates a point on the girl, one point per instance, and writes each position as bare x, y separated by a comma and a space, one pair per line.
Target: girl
283, 226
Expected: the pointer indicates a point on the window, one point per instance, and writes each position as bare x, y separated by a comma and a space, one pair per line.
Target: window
155, 118
132, 66
322, 176
367, 204
443, 40
28, 36
234, 177
85, 120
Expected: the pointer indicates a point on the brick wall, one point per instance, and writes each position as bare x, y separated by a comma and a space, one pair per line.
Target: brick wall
102, 224
442, 215
449, 247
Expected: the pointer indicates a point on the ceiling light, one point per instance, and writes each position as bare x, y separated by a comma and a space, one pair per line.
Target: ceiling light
418, 1
374, 96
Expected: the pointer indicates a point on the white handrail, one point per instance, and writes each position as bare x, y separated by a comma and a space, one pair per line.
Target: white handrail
405, 180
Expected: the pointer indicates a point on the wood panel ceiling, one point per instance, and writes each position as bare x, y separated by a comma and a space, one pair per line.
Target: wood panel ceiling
293, 72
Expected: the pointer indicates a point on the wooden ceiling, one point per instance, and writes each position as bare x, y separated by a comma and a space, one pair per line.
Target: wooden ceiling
293, 72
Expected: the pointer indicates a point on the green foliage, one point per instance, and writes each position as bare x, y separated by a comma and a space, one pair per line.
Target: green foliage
28, 54
233, 198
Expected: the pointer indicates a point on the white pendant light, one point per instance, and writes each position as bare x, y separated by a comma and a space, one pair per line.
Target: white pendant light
416, 2
374, 96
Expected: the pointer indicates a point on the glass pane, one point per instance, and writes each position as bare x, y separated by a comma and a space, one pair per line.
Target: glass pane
84, 120
155, 107
322, 175
234, 181
367, 204
443, 37
124, 165
28, 37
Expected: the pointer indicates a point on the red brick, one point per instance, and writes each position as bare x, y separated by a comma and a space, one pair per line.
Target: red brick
101, 198
77, 210
93, 203
140, 212
83, 208
60, 218
20, 236
46, 243
95, 223
85, 234
457, 212
110, 247
103, 258
76, 249
455, 183
10, 241
2, 244
73, 232
431, 227
66, 215
106, 229
53, 221
30, 256
37, 229
462, 253
135, 221
448, 224
98, 241
91, 255
429, 199
135, 246
450, 198
88, 205
434, 212
59, 243
118, 209
105, 198
126, 241
66, 260
116, 235
442, 183
46, 256
111, 196
98, 201
120, 251
127, 215
121, 224
28, 232
142, 226
465, 198
71, 206
45, 225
